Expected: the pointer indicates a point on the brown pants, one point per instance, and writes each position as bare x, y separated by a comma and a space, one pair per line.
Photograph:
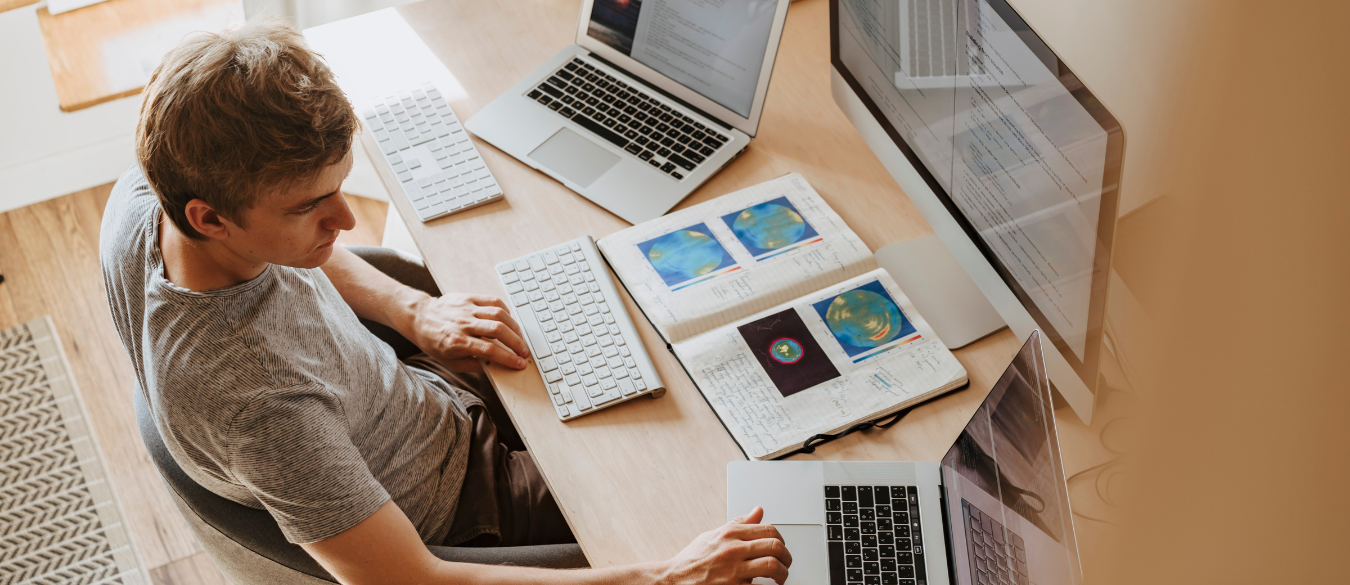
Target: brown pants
504, 501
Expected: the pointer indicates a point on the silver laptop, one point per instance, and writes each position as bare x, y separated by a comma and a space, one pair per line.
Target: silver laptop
995, 511
653, 99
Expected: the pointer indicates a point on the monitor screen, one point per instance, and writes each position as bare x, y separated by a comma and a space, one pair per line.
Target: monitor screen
714, 47
1016, 148
1004, 485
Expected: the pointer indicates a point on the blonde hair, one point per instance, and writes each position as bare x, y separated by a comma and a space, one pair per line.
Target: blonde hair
230, 117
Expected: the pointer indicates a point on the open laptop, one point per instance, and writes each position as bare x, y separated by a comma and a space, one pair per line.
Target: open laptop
653, 99
994, 512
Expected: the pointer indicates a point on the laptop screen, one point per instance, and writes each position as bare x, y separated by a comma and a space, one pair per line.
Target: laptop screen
713, 47
1004, 482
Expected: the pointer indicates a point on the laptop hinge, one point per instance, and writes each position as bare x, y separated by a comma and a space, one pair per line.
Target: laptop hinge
663, 92
951, 531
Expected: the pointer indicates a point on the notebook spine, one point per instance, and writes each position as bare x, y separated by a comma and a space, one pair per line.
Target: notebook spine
885, 421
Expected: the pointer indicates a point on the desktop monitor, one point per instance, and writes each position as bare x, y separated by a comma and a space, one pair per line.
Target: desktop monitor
1011, 159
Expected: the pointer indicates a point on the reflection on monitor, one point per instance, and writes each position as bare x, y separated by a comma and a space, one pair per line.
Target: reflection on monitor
1004, 482
1018, 155
1014, 147
715, 48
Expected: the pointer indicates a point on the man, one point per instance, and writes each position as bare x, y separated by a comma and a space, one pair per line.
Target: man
241, 318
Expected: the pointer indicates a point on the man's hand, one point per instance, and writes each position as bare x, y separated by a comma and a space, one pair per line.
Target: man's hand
739, 551
457, 329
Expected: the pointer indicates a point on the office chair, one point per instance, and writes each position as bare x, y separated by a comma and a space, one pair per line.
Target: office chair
246, 543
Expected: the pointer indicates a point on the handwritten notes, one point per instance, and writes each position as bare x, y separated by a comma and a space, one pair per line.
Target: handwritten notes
766, 423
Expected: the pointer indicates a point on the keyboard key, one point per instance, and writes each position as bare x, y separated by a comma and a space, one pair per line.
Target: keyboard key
865, 496
681, 161
582, 400
601, 131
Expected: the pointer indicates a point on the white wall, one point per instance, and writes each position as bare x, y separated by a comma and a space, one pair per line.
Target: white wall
1136, 56
47, 153
44, 152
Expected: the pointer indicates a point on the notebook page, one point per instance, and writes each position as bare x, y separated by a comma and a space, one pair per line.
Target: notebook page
819, 364
738, 254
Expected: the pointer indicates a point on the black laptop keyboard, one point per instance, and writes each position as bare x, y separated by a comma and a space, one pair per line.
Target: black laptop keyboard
873, 535
628, 117
997, 555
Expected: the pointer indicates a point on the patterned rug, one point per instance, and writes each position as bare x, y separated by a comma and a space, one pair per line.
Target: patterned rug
59, 520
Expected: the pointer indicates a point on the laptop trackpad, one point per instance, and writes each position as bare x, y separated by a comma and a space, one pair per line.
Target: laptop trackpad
806, 542
574, 157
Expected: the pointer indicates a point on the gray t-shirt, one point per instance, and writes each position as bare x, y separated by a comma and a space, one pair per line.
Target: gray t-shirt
272, 394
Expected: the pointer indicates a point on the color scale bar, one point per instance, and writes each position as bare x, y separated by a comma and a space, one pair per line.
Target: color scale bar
790, 248
705, 277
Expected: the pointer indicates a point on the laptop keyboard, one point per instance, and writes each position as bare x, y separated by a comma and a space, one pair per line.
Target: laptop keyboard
998, 556
629, 117
873, 535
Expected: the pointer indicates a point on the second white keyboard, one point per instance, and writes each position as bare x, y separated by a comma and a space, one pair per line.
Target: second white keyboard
580, 334
437, 165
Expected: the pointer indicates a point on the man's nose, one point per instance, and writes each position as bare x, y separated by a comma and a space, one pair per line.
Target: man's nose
341, 218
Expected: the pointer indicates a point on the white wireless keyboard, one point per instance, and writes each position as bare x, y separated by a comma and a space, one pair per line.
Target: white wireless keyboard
437, 165
580, 334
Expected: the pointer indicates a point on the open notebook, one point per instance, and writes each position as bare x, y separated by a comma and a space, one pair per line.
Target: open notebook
780, 315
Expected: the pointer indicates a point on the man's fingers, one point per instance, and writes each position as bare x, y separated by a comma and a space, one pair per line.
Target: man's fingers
752, 518
753, 531
768, 567
501, 332
497, 314
495, 353
487, 301
504, 316
769, 547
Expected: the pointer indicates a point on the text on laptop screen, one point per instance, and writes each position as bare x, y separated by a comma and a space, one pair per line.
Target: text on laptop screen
714, 47
1005, 483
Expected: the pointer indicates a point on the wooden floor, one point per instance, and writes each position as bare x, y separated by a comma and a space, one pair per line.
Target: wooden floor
49, 257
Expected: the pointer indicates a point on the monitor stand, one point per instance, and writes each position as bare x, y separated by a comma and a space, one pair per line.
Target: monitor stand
941, 290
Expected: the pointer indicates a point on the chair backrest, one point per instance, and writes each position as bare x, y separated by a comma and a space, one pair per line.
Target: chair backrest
253, 530
248, 546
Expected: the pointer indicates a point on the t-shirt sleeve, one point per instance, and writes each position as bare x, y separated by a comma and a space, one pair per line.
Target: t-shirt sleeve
291, 448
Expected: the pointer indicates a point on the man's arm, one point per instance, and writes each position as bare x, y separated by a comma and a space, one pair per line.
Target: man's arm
454, 328
384, 548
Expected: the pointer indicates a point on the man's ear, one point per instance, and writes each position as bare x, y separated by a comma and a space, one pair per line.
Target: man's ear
206, 221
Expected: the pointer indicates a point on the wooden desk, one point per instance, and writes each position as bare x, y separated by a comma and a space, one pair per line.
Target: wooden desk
640, 480
106, 51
